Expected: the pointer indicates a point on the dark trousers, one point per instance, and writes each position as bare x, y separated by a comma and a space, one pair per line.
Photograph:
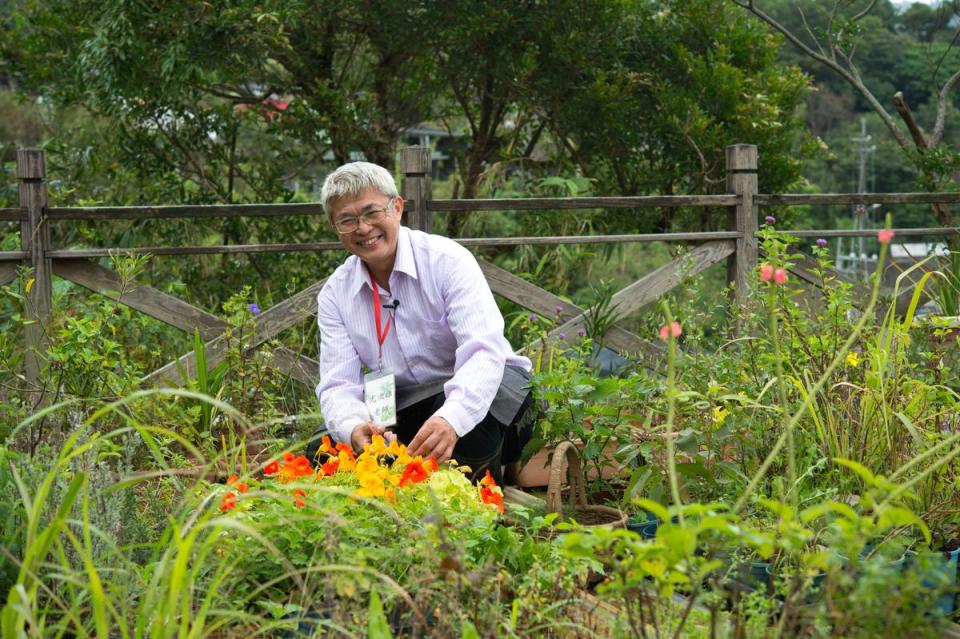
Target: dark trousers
487, 447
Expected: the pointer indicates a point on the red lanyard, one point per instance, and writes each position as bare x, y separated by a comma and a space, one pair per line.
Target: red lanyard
381, 336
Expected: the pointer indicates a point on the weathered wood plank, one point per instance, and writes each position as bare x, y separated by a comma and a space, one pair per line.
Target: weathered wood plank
146, 299
8, 272
335, 245
663, 279
532, 297
742, 180
804, 269
857, 198
221, 249
935, 231
647, 289
183, 211
299, 367
566, 203
415, 164
12, 215
35, 242
13, 256
267, 325
526, 294
859, 292
175, 312
703, 236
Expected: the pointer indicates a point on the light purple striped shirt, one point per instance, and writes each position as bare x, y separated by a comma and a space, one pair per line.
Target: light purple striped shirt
447, 326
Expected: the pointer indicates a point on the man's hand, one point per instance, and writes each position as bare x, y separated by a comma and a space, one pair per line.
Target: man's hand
436, 438
363, 435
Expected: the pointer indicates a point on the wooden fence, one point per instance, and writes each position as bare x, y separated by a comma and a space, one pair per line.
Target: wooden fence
737, 245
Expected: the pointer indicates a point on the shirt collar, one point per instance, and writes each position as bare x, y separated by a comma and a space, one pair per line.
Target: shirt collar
403, 263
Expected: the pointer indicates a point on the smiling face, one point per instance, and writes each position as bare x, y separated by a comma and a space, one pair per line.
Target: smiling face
374, 243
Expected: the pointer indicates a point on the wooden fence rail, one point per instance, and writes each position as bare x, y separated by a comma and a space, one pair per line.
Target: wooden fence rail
738, 246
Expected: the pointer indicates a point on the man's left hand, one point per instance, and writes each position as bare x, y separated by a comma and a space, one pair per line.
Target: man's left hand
436, 438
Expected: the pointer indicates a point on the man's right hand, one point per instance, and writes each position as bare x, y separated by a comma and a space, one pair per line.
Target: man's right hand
363, 434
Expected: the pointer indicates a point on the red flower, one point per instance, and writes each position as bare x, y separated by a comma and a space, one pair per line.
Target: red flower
885, 236
272, 468
229, 502
491, 496
301, 466
488, 480
288, 457
414, 473
766, 272
330, 467
671, 330
431, 465
234, 481
298, 495
780, 276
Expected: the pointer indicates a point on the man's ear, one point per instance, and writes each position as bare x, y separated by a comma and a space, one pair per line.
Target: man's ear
399, 207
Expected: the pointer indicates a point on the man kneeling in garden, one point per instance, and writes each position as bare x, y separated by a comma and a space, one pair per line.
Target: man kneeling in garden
415, 311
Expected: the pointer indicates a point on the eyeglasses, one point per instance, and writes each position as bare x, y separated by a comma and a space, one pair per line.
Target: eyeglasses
349, 224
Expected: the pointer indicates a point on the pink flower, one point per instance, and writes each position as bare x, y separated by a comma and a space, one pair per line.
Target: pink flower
780, 276
885, 236
766, 272
670, 330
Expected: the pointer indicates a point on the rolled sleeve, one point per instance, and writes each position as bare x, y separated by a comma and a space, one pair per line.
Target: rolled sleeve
340, 390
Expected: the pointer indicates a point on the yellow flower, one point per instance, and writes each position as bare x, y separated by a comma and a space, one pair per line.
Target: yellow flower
377, 447
853, 360
719, 414
347, 462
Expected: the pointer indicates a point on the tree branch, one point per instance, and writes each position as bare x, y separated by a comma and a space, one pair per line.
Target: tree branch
907, 116
863, 13
942, 106
851, 77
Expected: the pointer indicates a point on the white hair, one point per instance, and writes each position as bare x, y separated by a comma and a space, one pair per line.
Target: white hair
350, 179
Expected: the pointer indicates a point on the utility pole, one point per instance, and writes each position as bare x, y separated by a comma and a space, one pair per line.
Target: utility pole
864, 149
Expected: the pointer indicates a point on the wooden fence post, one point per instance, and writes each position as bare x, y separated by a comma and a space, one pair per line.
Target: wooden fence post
35, 241
742, 181
415, 163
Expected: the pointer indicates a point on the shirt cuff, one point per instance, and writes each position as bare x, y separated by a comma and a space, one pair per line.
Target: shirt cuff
343, 433
457, 416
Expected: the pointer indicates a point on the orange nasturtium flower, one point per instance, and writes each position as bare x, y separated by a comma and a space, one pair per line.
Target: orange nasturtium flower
414, 473
488, 480
234, 481
298, 496
431, 465
330, 467
301, 466
326, 446
229, 502
492, 496
489, 493
272, 468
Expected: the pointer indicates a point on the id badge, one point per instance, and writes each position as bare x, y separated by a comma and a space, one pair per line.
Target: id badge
380, 396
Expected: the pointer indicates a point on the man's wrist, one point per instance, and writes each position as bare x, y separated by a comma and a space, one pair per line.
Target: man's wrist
457, 417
